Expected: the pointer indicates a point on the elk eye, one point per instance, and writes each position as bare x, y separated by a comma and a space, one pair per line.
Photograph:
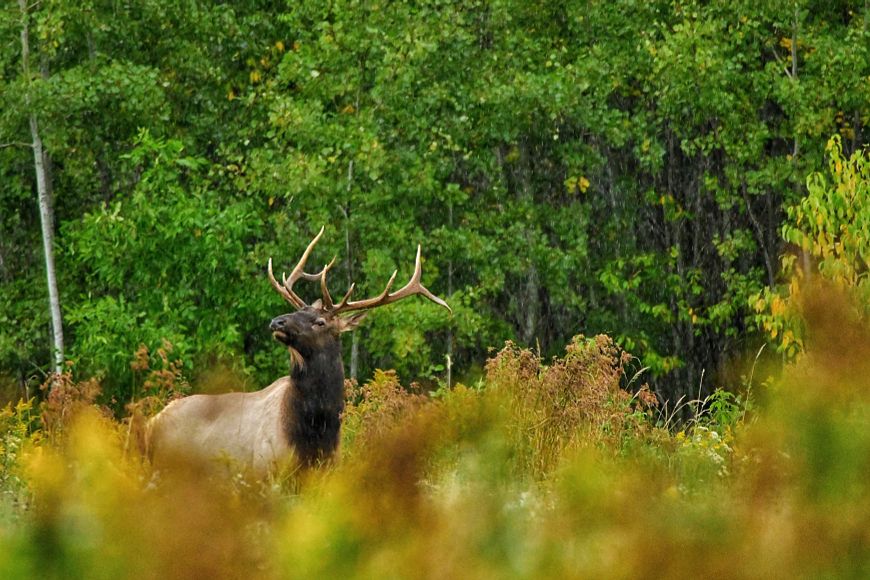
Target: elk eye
320, 322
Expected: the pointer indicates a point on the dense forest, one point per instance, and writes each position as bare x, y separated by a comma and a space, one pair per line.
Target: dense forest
650, 220
629, 168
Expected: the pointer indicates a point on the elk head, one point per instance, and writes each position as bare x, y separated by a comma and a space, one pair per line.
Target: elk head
316, 328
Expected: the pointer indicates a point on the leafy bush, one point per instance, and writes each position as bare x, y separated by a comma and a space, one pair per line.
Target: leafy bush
18, 430
160, 264
830, 232
556, 407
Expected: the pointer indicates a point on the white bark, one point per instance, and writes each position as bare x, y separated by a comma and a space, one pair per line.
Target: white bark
449, 355
46, 215
46, 212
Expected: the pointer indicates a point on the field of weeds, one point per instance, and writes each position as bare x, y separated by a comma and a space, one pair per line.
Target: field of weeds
547, 468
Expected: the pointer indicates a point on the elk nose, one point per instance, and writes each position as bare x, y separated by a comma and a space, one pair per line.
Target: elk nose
279, 323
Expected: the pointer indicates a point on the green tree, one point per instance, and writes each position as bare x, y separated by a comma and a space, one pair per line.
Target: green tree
105, 70
829, 229
617, 167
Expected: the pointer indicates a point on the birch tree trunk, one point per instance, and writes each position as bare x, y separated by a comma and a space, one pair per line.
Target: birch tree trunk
46, 213
449, 355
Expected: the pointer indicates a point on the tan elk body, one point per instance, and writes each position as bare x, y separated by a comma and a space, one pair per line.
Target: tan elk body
245, 428
296, 416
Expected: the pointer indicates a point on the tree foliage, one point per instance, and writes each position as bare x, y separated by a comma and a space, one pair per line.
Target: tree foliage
569, 167
829, 230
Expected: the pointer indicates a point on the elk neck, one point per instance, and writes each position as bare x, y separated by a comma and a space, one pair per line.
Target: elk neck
313, 405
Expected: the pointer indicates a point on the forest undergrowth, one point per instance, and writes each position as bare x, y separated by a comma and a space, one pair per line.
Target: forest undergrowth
546, 468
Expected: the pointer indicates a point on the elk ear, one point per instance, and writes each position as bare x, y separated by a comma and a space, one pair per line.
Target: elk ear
351, 322
317, 304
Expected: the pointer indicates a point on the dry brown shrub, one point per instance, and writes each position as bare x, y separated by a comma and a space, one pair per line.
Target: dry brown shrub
571, 401
161, 384
164, 380
375, 408
64, 400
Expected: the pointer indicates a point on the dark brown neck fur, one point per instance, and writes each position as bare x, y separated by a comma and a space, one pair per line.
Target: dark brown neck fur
313, 405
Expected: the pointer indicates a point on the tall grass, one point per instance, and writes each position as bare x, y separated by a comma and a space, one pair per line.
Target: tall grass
548, 468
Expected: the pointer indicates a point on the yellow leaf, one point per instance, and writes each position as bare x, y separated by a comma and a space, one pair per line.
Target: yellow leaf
571, 184
777, 306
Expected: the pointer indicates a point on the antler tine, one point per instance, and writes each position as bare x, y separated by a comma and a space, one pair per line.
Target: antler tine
417, 284
340, 306
383, 295
288, 296
286, 288
414, 286
319, 277
327, 298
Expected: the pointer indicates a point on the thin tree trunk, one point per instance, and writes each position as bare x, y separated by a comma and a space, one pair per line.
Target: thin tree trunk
46, 215
450, 293
43, 188
533, 286
354, 340
530, 324
768, 260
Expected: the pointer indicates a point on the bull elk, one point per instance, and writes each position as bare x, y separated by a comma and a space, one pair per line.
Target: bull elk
299, 414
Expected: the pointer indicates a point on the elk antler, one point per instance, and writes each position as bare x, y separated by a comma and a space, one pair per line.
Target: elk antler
285, 289
414, 286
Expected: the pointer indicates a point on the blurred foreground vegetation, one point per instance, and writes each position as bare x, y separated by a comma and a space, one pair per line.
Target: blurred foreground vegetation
547, 468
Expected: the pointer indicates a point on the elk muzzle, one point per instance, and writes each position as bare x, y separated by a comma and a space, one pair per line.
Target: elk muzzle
284, 328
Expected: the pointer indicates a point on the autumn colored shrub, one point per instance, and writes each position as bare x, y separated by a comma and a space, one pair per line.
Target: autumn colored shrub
18, 430
158, 382
161, 377
829, 230
64, 399
544, 469
374, 407
572, 401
